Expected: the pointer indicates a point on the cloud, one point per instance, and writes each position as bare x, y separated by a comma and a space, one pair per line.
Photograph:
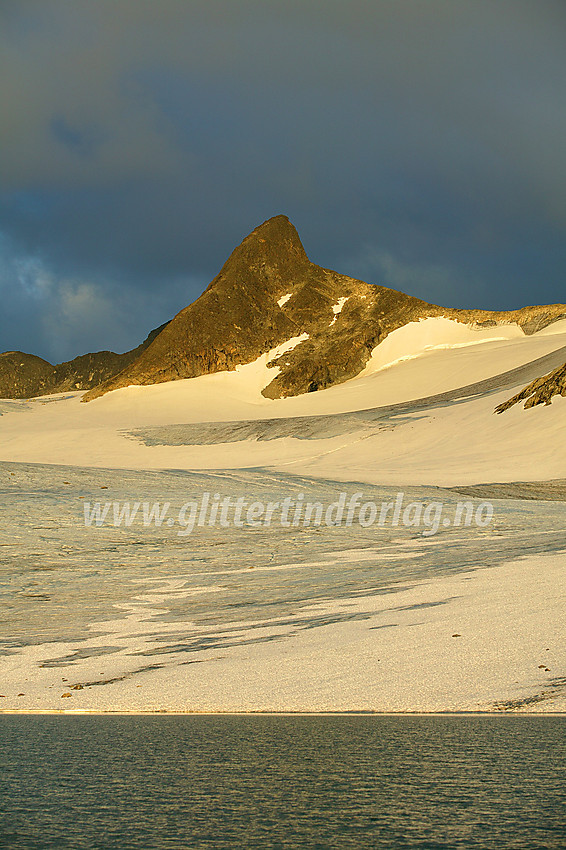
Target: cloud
439, 284
61, 317
142, 141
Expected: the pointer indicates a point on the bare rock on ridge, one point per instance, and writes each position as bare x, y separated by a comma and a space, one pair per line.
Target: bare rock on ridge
26, 376
541, 391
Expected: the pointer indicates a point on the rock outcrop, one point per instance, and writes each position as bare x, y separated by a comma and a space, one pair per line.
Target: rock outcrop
541, 391
25, 375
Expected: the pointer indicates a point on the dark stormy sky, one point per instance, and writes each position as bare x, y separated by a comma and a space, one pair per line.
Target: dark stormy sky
420, 144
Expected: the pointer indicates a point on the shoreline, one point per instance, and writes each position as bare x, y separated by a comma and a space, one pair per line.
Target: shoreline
81, 712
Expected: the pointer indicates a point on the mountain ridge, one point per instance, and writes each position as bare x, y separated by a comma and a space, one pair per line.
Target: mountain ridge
267, 292
24, 375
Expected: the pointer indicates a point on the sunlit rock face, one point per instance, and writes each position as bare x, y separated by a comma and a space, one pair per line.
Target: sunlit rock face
541, 391
267, 292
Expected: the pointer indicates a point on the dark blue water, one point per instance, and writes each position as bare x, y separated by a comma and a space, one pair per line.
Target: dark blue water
282, 782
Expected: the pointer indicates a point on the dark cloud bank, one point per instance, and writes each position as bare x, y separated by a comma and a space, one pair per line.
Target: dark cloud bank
415, 144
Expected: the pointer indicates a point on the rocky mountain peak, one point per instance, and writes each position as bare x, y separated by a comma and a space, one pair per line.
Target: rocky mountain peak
267, 259
267, 293
275, 239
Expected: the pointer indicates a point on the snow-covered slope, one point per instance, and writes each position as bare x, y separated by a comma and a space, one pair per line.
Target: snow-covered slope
454, 441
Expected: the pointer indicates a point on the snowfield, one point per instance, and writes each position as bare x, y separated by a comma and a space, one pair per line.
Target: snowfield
451, 442
318, 618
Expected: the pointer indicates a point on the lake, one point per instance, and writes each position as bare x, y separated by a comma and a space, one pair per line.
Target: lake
347, 781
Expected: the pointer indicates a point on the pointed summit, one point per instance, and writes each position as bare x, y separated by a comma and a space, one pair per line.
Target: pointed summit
277, 238
267, 293
268, 258
237, 317
277, 234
